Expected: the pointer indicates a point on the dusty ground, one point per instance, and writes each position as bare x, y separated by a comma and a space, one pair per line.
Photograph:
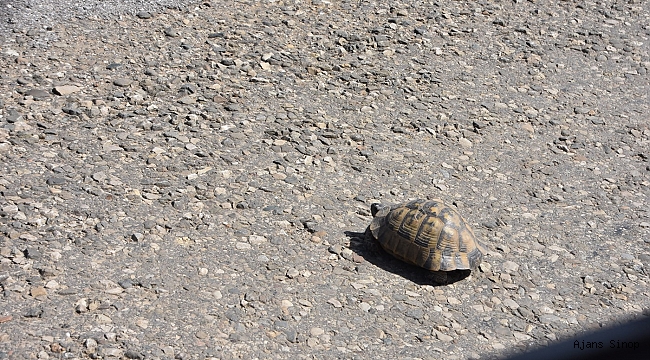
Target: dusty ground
195, 183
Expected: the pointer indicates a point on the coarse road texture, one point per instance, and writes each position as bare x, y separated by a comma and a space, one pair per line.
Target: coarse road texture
194, 182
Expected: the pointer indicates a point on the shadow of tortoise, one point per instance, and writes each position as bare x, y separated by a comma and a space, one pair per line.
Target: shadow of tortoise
364, 245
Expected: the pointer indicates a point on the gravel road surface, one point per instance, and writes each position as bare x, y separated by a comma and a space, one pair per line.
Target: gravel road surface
194, 180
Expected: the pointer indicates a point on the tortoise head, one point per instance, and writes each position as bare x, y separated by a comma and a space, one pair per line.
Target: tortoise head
375, 208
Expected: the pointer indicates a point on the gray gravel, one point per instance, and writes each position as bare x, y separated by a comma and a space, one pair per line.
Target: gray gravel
28, 14
195, 182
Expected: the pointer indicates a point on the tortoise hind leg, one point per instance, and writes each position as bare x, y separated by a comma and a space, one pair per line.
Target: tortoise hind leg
448, 277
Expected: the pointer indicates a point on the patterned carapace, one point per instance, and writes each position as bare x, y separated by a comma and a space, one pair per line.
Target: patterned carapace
426, 233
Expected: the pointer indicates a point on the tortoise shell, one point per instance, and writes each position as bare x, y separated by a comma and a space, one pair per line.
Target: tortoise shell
426, 233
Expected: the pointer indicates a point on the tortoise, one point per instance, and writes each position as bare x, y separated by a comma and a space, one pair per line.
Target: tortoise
428, 234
